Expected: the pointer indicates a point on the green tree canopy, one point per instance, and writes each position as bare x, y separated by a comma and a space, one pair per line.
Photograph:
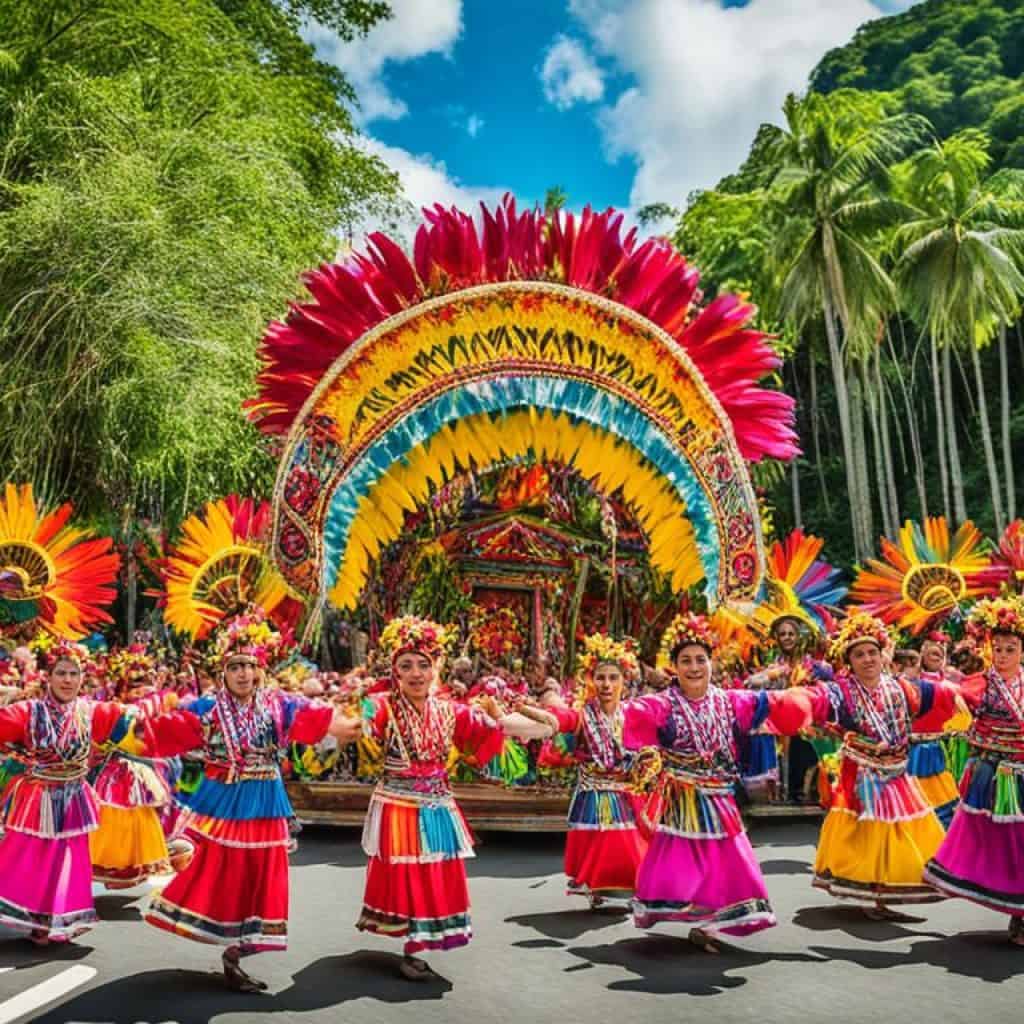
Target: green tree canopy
168, 168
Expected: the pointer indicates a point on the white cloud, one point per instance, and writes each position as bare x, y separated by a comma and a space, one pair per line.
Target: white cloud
426, 181
474, 125
415, 29
570, 75
706, 77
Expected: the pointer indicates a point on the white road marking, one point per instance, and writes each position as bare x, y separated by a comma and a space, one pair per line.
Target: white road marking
38, 996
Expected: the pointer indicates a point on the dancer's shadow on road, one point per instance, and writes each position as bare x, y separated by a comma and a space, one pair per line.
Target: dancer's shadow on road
985, 956
20, 953
567, 925
120, 907
196, 997
668, 965
853, 922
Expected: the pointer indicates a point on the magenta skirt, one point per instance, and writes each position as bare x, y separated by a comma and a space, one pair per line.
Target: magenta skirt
46, 886
981, 860
714, 883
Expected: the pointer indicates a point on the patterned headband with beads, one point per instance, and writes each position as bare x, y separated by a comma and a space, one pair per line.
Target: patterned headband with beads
996, 615
411, 633
601, 649
686, 629
859, 628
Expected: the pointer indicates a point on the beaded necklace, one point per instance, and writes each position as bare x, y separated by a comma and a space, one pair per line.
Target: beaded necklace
887, 721
242, 725
708, 721
426, 736
603, 733
1010, 699
61, 730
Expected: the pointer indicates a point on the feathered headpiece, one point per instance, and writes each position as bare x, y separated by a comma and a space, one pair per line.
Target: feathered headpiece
799, 585
411, 633
220, 566
400, 371
685, 629
926, 576
997, 615
249, 635
859, 628
53, 576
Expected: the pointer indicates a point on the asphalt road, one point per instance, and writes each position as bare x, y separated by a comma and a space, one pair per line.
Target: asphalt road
537, 956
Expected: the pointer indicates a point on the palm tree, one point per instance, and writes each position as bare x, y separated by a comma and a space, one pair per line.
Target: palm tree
835, 153
958, 267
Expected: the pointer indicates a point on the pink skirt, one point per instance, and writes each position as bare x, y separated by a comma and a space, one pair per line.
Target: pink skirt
981, 860
714, 883
46, 886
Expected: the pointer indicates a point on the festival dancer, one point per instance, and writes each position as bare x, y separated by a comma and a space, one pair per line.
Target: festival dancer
604, 847
982, 855
700, 867
880, 830
50, 808
129, 846
234, 893
927, 761
415, 835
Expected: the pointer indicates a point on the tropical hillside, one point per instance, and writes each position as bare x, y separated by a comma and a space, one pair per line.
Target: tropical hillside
881, 232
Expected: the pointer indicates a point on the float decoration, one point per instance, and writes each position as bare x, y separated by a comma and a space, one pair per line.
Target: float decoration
54, 576
556, 337
926, 576
220, 565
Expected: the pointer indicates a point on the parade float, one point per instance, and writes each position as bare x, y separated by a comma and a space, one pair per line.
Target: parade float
531, 426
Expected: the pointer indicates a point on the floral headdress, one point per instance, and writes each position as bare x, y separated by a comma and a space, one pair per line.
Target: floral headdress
411, 633
130, 664
857, 629
685, 629
601, 649
996, 615
251, 635
64, 650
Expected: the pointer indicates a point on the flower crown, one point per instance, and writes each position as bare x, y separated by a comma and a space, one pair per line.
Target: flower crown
411, 633
132, 661
856, 629
686, 628
599, 648
249, 633
63, 650
996, 615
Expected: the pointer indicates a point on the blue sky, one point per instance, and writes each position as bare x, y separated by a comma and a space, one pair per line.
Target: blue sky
620, 102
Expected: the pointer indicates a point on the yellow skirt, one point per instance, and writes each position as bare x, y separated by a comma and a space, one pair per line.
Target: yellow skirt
877, 860
128, 847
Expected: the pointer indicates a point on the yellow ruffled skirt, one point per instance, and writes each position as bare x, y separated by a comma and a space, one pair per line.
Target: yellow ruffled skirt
128, 847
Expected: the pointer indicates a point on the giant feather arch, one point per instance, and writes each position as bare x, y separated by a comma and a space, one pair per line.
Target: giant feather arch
557, 336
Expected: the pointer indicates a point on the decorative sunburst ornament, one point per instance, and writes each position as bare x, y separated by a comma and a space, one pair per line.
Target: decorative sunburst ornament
799, 585
53, 575
926, 576
220, 566
551, 335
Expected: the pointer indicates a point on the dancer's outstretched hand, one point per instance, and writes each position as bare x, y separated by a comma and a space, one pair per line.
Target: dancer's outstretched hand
345, 728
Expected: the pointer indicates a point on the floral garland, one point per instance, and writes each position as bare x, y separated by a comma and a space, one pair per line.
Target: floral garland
496, 633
